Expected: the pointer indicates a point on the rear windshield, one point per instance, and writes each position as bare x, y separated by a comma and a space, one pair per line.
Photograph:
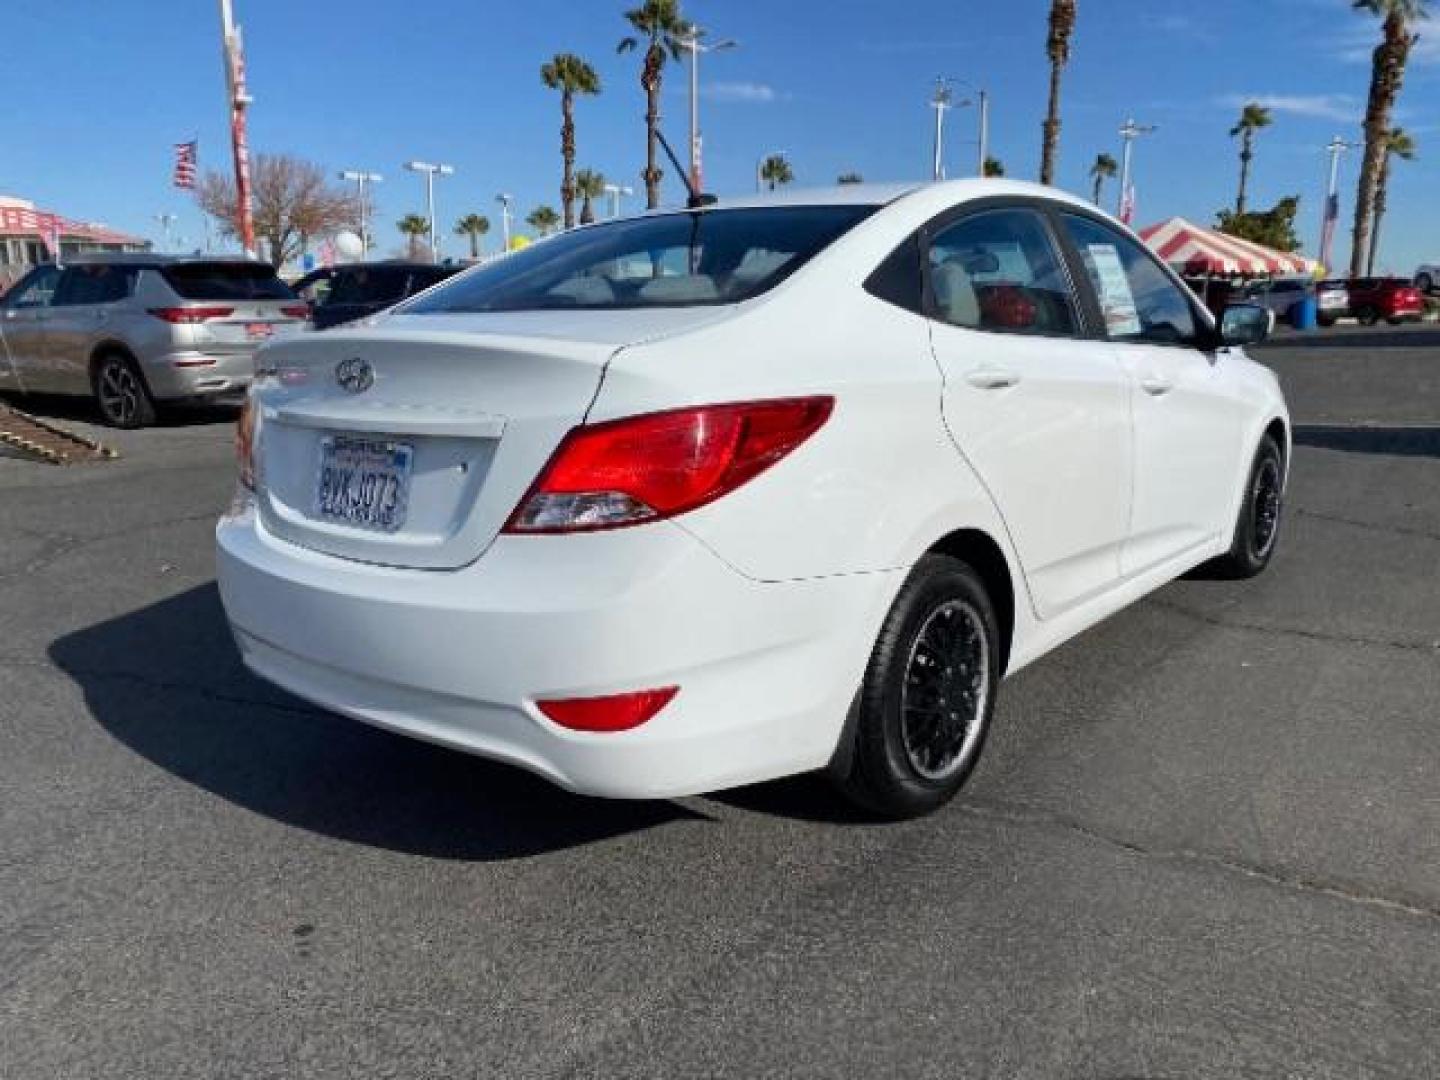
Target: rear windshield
225, 281
670, 260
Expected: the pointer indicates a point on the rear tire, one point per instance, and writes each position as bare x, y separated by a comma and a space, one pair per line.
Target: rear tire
925, 705
1325, 320
1257, 530
1368, 316
121, 395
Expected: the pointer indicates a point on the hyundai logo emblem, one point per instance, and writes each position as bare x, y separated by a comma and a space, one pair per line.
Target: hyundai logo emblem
355, 375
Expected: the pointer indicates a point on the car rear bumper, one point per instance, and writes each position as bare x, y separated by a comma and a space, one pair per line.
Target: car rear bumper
197, 373
766, 671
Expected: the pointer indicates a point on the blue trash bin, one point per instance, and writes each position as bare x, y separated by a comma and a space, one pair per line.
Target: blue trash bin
1303, 313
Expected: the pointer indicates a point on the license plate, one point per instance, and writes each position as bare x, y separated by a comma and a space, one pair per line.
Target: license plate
364, 482
1330, 300
255, 330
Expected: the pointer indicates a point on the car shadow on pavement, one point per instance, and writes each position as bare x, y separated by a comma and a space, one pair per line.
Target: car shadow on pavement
1401, 337
167, 682
1394, 441
82, 410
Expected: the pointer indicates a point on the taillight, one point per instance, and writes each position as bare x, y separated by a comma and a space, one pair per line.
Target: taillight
186, 315
643, 468
245, 444
620, 712
296, 311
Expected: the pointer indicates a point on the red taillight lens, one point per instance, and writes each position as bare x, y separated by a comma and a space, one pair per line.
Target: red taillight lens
296, 311
643, 468
185, 315
621, 712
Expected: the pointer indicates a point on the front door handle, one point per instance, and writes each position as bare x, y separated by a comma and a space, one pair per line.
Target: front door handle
988, 378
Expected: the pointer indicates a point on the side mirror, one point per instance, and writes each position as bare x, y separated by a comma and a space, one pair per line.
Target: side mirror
1244, 324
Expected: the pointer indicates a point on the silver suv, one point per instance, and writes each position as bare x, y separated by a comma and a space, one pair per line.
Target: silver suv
137, 330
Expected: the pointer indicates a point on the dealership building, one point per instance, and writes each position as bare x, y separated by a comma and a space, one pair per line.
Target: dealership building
28, 235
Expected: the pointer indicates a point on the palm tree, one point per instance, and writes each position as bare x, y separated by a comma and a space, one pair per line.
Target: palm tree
570, 75
1387, 74
776, 171
591, 186
1253, 117
543, 219
664, 33
1398, 145
414, 227
994, 167
850, 178
1104, 169
1057, 47
474, 226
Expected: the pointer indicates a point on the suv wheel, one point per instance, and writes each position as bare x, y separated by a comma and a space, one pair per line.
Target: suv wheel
925, 705
121, 394
1258, 527
1368, 316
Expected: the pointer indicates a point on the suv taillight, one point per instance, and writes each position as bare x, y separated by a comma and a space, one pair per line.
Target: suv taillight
186, 315
296, 311
644, 468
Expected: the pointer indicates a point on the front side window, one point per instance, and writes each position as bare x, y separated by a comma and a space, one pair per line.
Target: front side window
998, 270
1137, 298
712, 256
37, 290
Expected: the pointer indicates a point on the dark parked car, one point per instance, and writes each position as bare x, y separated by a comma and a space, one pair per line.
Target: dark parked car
1393, 299
341, 294
1280, 296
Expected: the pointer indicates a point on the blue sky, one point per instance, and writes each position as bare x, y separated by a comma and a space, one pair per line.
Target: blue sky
103, 88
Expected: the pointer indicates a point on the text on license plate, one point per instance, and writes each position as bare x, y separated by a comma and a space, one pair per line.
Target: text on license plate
364, 482
259, 329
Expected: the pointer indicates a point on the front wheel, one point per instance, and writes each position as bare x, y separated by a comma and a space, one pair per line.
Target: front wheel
925, 705
1368, 316
1257, 529
121, 394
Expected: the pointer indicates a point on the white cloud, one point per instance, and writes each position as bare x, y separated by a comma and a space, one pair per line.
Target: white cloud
1343, 108
745, 93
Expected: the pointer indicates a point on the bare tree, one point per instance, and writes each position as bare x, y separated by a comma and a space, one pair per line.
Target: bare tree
294, 200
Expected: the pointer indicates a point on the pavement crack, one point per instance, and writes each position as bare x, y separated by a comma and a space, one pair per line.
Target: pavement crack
1021, 814
1371, 526
1432, 647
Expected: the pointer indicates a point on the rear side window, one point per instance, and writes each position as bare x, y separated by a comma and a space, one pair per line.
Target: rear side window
669, 260
225, 281
94, 284
898, 279
999, 270
1137, 298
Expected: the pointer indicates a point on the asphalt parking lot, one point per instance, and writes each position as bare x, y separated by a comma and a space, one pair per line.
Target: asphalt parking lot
1204, 842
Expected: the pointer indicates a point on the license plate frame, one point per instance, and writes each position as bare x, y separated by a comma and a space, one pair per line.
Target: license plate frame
363, 482
259, 331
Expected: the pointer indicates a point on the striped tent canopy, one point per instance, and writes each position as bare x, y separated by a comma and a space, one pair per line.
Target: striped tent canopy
1196, 251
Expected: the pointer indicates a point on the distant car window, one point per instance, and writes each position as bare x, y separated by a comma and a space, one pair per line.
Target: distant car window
225, 281
1137, 298
37, 289
684, 259
423, 277
999, 270
93, 284
368, 285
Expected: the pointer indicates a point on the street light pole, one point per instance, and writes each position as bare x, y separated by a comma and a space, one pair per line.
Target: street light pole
1331, 211
695, 47
983, 97
431, 171
616, 193
232, 44
504, 201
940, 102
1130, 131
362, 178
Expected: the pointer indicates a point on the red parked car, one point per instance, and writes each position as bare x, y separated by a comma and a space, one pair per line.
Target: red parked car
1393, 299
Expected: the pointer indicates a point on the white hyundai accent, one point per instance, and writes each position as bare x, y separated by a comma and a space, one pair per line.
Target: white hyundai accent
676, 503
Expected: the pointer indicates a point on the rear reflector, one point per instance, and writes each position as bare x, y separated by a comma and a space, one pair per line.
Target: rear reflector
643, 468
296, 311
620, 712
187, 315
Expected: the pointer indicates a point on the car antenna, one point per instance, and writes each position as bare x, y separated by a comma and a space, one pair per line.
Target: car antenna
696, 199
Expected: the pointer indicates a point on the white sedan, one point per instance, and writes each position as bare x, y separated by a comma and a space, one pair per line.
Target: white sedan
696, 499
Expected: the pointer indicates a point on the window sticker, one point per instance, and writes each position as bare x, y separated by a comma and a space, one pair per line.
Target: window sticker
1117, 302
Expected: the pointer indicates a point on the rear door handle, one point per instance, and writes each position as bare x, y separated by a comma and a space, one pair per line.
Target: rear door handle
992, 378
1156, 385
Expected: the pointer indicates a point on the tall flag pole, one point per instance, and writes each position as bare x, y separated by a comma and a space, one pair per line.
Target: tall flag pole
239, 100
1332, 201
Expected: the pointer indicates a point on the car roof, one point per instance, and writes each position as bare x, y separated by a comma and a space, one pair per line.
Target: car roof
883, 194
150, 258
